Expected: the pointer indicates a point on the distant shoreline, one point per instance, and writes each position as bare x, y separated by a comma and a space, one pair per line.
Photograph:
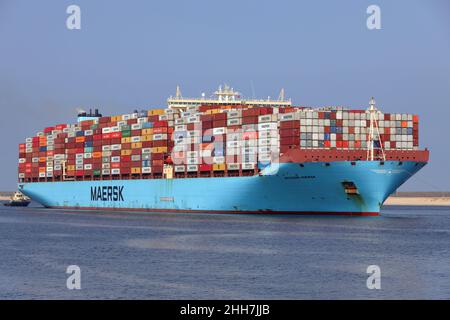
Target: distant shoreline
398, 199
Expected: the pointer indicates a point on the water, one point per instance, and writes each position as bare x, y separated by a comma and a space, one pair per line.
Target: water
194, 256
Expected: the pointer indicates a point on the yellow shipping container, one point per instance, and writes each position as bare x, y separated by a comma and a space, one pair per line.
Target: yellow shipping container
79, 139
125, 152
136, 145
155, 112
116, 118
135, 170
159, 149
71, 168
219, 167
126, 140
213, 111
96, 155
147, 131
147, 137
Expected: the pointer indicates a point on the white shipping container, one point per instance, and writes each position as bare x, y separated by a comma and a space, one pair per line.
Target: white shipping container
232, 114
146, 170
233, 166
192, 161
192, 168
180, 168
221, 130
115, 171
248, 166
267, 126
116, 147
234, 122
160, 136
106, 171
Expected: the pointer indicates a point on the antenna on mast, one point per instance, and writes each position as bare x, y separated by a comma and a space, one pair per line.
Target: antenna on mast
178, 93
374, 132
281, 96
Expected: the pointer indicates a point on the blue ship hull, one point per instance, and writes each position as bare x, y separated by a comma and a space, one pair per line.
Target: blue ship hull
307, 188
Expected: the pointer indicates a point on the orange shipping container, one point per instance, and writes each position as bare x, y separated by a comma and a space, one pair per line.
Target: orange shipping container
136, 145
135, 170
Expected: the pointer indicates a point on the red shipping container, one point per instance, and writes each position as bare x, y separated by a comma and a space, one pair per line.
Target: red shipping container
125, 164
290, 140
135, 133
207, 125
294, 124
157, 169
250, 112
250, 120
205, 167
159, 130
161, 123
157, 156
125, 170
219, 116
125, 158
160, 143
79, 173
206, 117
289, 132
219, 123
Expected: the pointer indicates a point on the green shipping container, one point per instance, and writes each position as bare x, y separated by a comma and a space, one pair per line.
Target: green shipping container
96, 172
126, 134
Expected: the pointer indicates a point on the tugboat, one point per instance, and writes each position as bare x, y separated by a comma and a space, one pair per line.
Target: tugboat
18, 200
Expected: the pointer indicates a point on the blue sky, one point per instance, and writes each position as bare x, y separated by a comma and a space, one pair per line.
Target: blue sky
132, 54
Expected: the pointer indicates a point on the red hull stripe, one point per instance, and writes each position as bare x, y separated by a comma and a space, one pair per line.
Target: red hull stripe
327, 213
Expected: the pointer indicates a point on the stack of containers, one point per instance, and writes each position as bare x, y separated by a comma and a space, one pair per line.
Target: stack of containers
208, 138
268, 139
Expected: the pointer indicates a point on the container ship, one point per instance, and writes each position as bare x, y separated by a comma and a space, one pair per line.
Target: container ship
224, 154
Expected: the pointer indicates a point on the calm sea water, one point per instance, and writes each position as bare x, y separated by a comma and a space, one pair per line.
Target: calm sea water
194, 256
